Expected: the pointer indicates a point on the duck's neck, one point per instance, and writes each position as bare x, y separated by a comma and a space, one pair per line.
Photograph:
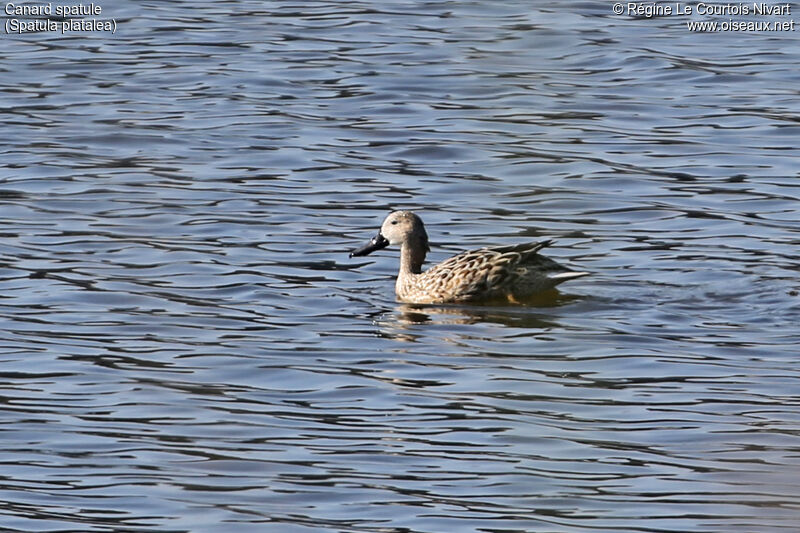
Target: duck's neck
412, 255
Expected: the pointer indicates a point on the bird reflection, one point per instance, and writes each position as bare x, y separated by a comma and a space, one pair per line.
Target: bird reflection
531, 314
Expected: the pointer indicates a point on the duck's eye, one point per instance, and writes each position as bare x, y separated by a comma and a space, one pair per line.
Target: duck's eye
394, 222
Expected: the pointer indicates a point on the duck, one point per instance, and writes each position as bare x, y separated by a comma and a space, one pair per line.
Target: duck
512, 273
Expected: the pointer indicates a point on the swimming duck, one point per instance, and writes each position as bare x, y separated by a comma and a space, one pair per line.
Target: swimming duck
500, 273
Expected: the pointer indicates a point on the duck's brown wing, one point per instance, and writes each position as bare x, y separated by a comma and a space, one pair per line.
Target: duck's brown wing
487, 272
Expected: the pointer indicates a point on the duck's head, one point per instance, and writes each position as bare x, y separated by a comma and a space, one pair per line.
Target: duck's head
400, 227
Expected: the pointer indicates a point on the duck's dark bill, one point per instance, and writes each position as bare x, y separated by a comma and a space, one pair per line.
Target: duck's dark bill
378, 242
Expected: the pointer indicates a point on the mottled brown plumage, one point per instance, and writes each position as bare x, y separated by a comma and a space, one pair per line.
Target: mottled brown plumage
502, 273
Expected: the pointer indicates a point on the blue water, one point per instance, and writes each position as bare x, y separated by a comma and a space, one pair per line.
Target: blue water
186, 346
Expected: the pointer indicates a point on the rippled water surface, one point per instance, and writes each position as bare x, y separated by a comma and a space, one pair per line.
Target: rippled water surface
186, 346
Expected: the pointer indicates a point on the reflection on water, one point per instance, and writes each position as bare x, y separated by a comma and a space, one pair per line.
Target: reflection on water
531, 313
187, 347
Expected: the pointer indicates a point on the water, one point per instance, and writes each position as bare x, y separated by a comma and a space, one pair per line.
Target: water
187, 347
